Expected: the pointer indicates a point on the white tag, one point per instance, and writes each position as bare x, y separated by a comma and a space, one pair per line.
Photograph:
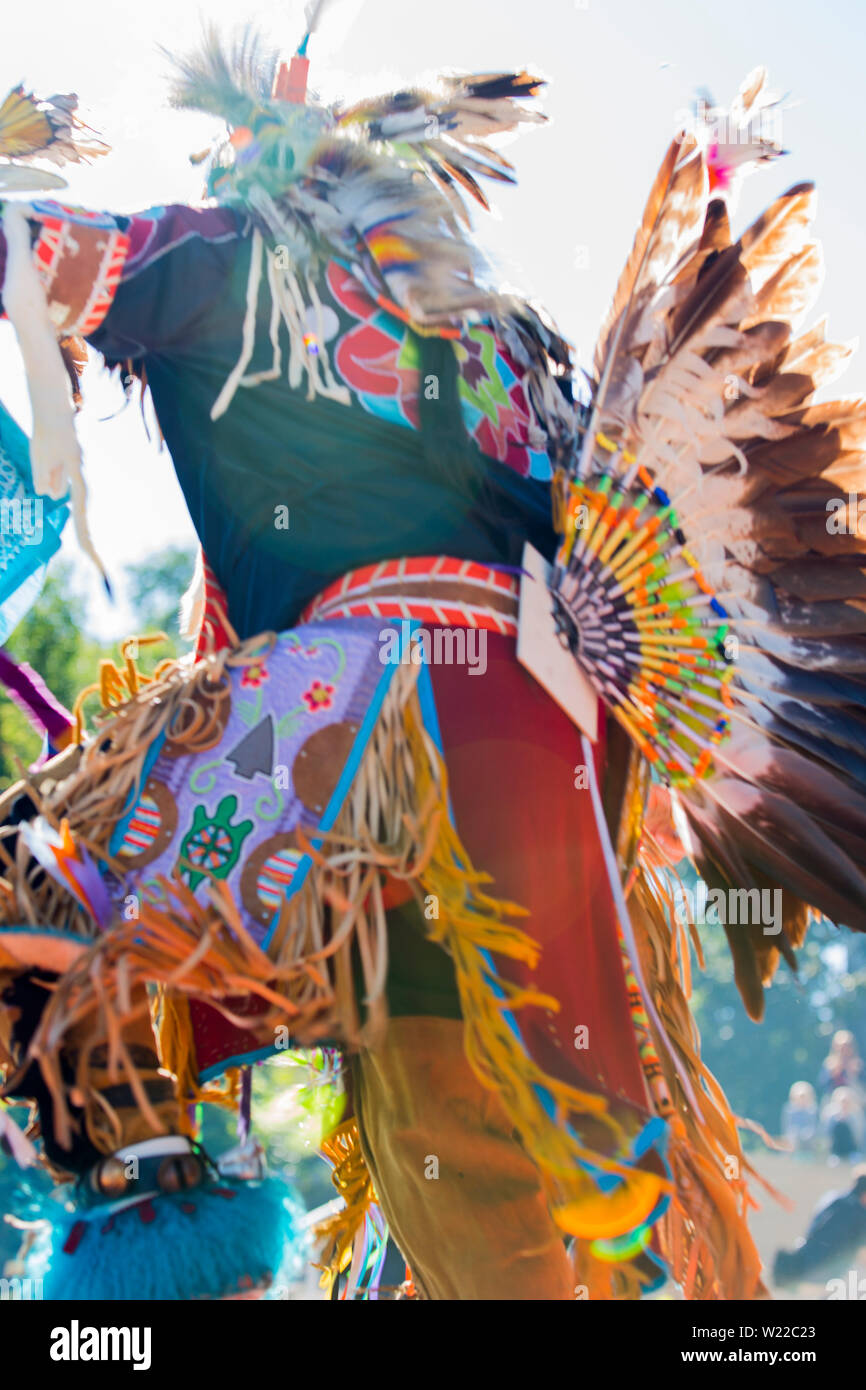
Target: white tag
540, 651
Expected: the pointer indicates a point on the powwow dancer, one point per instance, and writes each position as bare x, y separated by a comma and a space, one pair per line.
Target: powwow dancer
290, 831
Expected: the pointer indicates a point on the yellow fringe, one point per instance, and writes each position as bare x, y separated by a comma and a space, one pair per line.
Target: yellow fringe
470, 924
704, 1234
351, 1178
116, 685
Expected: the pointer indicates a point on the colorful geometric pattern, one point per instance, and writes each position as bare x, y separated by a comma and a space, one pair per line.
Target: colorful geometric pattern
212, 845
292, 741
379, 361
640, 617
143, 829
496, 412
80, 258
275, 877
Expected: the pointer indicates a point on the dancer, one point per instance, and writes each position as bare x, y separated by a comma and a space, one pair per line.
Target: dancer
367, 433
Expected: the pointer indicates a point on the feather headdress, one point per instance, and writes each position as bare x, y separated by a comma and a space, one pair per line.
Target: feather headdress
383, 186
382, 183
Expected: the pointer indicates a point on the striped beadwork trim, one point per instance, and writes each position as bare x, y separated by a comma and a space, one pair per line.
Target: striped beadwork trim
89, 260
447, 593
216, 632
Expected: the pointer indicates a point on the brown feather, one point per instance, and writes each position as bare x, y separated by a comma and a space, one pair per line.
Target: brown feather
672, 214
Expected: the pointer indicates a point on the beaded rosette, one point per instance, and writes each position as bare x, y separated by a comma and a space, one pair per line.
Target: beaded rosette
632, 604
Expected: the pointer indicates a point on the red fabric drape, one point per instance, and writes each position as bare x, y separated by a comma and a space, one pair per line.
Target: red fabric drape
511, 756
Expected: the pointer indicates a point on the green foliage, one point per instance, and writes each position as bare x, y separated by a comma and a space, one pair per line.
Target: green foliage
53, 639
156, 586
294, 1107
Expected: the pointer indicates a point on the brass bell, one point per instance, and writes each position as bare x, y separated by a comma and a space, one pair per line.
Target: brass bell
179, 1173
110, 1177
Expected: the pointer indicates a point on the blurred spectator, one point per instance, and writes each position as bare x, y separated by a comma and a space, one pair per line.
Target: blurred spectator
800, 1116
843, 1066
836, 1232
843, 1123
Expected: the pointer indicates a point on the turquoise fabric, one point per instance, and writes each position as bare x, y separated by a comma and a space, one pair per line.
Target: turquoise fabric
30, 527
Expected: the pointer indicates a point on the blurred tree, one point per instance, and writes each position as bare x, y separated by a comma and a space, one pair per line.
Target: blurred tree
757, 1063
156, 586
52, 638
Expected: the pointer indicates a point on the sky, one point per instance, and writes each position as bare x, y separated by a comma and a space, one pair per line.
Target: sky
619, 73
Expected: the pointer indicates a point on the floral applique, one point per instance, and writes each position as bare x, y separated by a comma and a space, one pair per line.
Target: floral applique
255, 675
320, 696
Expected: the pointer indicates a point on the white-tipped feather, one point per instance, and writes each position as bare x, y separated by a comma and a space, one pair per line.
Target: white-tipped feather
192, 605
313, 11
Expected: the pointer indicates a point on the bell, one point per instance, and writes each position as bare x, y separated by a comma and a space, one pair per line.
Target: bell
110, 1177
179, 1173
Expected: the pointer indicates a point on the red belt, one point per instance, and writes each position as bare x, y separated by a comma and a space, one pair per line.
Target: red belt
431, 588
